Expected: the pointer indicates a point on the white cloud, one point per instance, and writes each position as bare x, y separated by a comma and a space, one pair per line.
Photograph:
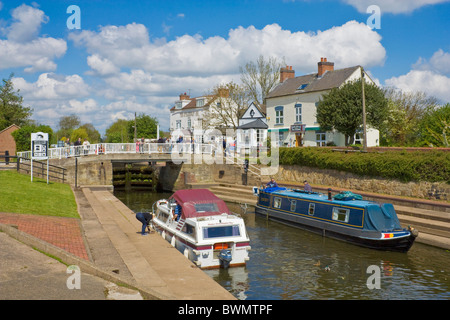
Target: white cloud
23, 47
389, 6
430, 76
130, 47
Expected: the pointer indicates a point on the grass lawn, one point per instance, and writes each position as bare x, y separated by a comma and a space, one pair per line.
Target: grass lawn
19, 195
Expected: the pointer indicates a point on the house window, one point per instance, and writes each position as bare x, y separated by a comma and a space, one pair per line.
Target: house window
178, 124
277, 202
200, 102
293, 205
189, 123
279, 115
280, 138
359, 138
298, 113
321, 139
341, 214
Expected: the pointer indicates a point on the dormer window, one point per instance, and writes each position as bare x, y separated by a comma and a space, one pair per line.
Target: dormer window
178, 105
200, 102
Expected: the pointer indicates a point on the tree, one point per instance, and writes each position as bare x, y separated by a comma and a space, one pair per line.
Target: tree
435, 127
146, 127
118, 132
11, 109
341, 109
405, 111
79, 133
67, 124
22, 137
92, 134
228, 103
260, 77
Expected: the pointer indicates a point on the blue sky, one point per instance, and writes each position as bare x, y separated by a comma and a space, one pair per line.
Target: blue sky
138, 56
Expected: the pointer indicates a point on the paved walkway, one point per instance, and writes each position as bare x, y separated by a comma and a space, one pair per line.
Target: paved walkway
64, 233
106, 243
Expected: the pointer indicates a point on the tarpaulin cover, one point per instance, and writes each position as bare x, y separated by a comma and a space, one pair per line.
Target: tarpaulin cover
381, 217
199, 203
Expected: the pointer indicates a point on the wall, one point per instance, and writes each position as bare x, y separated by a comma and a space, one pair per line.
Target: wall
7, 142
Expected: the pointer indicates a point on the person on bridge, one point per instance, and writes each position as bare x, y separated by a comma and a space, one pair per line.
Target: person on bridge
144, 218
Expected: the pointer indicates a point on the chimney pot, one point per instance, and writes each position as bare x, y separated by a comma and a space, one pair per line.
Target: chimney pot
286, 73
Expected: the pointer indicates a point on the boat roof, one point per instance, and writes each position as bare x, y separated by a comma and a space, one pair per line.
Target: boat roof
199, 203
315, 196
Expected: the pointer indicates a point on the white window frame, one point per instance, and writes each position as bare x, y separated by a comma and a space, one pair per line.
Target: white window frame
321, 139
341, 214
298, 113
277, 202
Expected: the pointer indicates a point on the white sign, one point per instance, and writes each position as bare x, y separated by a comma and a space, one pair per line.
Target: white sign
39, 146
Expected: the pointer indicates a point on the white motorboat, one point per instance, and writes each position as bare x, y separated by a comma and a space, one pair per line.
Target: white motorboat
200, 225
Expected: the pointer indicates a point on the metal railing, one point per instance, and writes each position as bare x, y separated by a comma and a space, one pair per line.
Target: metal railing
123, 148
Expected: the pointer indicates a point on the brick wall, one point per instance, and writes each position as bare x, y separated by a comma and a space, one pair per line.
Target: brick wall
7, 142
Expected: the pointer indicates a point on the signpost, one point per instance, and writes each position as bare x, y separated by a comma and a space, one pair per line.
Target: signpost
39, 149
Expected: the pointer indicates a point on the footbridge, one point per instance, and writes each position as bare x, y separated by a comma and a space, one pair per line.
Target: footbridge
94, 164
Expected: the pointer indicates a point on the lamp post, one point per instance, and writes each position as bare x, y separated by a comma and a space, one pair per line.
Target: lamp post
364, 112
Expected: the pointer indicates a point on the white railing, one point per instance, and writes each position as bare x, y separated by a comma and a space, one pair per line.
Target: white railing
124, 148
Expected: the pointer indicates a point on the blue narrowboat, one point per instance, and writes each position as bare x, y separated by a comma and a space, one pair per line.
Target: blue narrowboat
346, 216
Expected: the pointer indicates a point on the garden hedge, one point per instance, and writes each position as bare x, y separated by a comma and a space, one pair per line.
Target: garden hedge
432, 166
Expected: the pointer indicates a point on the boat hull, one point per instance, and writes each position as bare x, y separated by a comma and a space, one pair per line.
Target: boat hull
399, 241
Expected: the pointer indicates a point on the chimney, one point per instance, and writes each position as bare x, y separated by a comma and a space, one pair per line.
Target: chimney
324, 66
184, 96
286, 73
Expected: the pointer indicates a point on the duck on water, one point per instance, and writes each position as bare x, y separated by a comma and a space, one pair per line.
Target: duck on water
346, 216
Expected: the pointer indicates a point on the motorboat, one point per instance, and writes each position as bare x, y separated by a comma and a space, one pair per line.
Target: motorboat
201, 226
345, 216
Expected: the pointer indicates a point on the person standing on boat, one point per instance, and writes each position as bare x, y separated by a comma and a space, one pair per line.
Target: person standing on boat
308, 187
144, 218
272, 184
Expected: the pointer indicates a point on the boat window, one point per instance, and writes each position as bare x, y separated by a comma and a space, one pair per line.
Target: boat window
206, 207
277, 203
163, 216
312, 207
293, 205
217, 232
188, 229
340, 214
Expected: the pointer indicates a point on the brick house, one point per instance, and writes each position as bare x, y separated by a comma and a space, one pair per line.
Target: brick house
7, 142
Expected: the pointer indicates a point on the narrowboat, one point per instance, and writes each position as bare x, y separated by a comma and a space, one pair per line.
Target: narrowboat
201, 226
346, 216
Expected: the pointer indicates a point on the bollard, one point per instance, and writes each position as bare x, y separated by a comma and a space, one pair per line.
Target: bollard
6, 157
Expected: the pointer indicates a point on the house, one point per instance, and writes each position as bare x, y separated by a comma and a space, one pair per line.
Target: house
7, 142
187, 113
291, 106
252, 130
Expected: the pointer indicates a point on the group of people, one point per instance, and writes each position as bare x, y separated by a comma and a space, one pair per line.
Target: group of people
86, 145
273, 184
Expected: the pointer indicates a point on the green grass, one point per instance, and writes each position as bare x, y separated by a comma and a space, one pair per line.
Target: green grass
19, 195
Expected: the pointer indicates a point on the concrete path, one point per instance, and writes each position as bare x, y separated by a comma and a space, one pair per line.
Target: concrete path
107, 247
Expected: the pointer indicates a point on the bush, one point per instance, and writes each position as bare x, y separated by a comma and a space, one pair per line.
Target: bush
432, 166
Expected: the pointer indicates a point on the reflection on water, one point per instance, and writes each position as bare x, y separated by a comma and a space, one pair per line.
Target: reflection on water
288, 264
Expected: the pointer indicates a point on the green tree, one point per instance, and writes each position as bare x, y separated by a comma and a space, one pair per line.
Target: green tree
435, 127
341, 109
11, 109
67, 124
22, 137
79, 133
118, 132
92, 134
146, 127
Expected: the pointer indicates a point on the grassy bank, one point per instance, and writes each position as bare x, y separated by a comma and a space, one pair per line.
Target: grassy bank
430, 166
19, 195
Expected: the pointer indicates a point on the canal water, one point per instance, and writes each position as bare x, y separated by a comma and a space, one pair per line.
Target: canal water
287, 263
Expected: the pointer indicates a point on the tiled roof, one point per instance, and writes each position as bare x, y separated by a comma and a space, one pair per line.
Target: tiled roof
311, 82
